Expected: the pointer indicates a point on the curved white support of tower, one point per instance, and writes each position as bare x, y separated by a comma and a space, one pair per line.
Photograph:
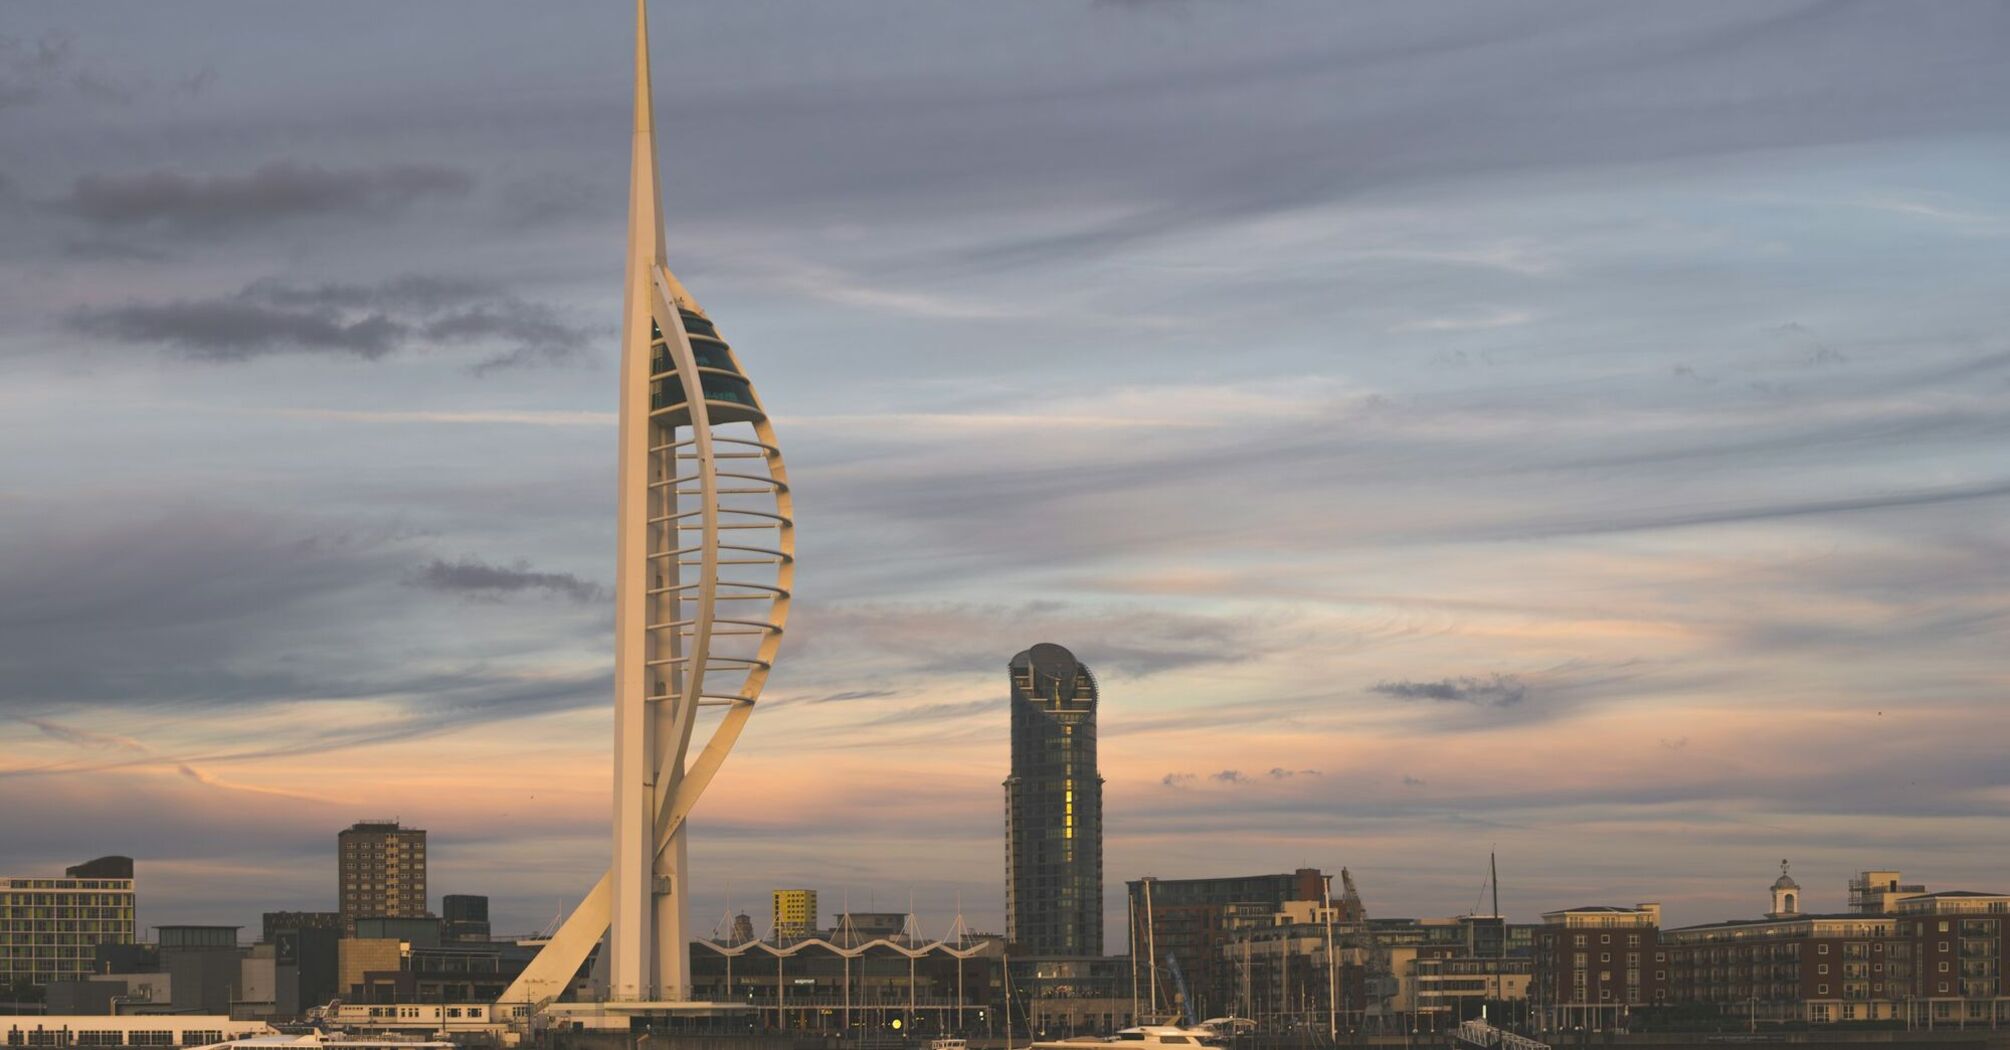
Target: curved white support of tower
704, 564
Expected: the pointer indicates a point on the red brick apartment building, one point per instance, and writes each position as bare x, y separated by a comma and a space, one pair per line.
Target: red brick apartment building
1930, 959
1593, 964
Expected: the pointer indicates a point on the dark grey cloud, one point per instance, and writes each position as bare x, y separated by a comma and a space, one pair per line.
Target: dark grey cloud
30, 67
279, 190
1281, 773
50, 66
270, 317
239, 329
1178, 780
1494, 691
474, 578
1228, 776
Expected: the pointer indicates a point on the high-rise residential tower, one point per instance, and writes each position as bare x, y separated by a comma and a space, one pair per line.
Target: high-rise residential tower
704, 562
795, 914
382, 869
1053, 808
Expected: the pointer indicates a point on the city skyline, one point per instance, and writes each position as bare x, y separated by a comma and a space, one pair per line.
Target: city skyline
1442, 437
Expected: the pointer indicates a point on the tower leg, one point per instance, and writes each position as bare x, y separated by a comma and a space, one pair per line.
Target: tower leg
629, 943
673, 953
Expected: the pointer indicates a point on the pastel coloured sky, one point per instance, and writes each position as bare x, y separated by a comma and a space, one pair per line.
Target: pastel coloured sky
1569, 429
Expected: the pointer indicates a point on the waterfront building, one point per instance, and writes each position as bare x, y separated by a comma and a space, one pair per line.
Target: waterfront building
381, 869
466, 916
1959, 940
391, 969
50, 927
1445, 968
1877, 892
306, 950
1189, 921
204, 964
1053, 808
1935, 959
885, 986
1059, 997
1307, 969
854, 927
795, 914
147, 1030
272, 922
1595, 963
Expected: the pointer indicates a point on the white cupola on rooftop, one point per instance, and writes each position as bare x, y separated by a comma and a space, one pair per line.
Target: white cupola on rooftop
1786, 896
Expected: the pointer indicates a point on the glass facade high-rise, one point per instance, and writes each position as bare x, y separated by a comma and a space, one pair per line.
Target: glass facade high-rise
1053, 808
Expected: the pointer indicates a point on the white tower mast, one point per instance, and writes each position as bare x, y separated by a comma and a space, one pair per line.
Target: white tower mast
705, 558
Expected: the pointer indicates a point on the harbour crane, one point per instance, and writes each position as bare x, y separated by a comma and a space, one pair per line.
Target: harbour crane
1379, 981
1182, 997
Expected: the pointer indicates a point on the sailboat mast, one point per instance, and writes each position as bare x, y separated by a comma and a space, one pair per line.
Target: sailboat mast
1494, 880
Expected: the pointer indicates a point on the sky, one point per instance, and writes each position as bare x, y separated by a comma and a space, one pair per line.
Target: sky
1571, 430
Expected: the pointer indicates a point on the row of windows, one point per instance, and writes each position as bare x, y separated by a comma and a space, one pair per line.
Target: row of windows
16, 901
707, 355
668, 392
86, 911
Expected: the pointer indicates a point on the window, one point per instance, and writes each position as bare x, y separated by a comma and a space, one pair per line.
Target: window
1821, 989
1605, 938
1607, 957
1660, 956
1578, 940
1660, 975
1943, 966
1633, 939
1823, 950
